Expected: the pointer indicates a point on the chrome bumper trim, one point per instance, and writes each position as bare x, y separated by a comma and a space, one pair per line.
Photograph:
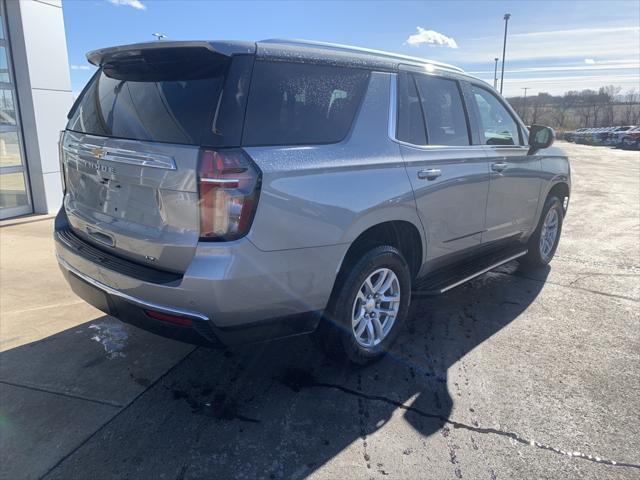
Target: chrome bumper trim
128, 298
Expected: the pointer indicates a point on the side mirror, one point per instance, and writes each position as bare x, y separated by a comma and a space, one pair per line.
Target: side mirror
540, 137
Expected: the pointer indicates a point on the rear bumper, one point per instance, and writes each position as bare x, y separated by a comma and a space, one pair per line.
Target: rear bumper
201, 331
134, 310
232, 294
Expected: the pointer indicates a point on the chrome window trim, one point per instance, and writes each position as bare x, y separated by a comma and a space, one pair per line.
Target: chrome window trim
129, 298
504, 147
393, 107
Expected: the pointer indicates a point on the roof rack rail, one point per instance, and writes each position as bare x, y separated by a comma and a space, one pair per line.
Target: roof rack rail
349, 48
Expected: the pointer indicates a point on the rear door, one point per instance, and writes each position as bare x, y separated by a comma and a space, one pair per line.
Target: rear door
449, 175
131, 150
515, 183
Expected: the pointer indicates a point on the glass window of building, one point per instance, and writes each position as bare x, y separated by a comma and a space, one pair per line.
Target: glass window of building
14, 186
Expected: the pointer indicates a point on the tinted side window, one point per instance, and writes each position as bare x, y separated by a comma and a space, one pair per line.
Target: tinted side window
410, 120
445, 116
296, 103
497, 124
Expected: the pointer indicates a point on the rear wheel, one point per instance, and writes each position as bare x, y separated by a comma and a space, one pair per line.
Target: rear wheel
369, 305
543, 243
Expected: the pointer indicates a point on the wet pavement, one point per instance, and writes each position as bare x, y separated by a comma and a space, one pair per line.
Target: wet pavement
515, 375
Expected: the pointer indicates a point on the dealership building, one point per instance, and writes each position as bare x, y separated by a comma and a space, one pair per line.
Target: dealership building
35, 96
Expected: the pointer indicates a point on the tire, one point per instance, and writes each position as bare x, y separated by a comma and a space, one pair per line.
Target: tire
337, 335
541, 253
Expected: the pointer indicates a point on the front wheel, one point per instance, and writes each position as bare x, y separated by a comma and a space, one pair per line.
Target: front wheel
368, 307
543, 243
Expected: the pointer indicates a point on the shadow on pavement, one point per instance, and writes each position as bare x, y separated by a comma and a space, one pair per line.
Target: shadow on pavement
282, 410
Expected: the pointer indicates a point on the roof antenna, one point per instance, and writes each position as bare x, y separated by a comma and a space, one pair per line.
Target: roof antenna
159, 36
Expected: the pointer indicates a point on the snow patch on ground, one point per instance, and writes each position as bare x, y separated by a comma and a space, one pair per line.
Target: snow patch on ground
112, 337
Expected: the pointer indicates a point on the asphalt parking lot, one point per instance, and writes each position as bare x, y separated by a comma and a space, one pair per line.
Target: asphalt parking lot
514, 375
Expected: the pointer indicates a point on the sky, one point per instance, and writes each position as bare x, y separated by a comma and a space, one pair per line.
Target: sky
552, 46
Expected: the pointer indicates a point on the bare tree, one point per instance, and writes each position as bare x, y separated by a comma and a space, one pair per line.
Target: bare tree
586, 108
607, 96
631, 111
567, 102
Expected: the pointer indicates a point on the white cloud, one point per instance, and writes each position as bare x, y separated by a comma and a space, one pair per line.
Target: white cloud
431, 37
589, 61
137, 4
80, 67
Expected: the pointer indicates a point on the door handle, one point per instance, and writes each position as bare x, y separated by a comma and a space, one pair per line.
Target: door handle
429, 174
499, 166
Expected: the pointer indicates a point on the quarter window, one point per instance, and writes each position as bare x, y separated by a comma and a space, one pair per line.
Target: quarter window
297, 104
497, 125
444, 112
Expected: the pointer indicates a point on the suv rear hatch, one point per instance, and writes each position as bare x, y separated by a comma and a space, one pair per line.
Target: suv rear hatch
131, 149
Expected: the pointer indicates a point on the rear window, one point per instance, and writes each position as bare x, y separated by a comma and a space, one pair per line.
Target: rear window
175, 105
295, 103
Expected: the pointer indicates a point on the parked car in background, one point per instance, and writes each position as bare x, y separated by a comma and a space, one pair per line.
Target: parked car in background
588, 135
612, 136
600, 136
582, 137
615, 136
572, 135
631, 139
231, 192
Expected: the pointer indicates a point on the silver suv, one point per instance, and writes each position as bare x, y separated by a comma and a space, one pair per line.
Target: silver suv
231, 192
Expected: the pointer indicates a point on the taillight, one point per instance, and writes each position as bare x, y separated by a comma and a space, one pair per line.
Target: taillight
229, 186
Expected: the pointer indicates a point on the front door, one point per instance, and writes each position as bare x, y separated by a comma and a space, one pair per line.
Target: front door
514, 186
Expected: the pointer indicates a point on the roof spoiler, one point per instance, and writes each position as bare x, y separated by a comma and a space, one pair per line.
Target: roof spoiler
122, 52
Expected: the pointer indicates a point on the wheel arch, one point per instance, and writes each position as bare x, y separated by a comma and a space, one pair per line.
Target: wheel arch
562, 190
404, 235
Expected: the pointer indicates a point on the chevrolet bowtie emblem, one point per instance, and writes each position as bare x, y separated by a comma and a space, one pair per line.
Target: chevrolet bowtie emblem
97, 152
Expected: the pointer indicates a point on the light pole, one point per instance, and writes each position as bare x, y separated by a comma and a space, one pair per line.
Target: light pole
159, 36
506, 17
495, 73
524, 104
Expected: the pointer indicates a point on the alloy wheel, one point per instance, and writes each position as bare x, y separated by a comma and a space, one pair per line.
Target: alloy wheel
375, 307
549, 233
